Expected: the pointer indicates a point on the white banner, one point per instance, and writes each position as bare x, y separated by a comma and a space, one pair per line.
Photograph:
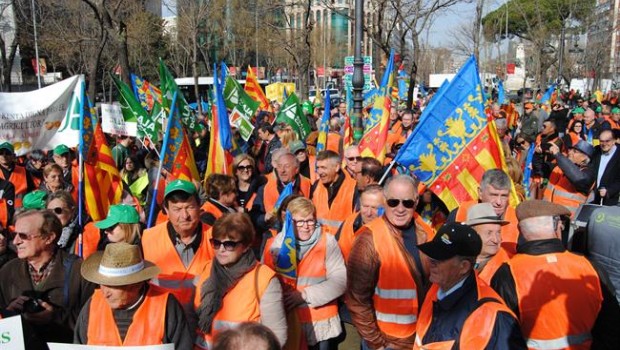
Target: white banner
112, 121
42, 119
59, 346
11, 334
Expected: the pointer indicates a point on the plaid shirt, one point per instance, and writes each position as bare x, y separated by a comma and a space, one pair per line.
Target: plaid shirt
36, 276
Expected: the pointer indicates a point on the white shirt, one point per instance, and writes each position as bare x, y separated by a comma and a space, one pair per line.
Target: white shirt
441, 294
605, 158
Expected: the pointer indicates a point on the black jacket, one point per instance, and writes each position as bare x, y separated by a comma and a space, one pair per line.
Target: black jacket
580, 177
605, 333
610, 179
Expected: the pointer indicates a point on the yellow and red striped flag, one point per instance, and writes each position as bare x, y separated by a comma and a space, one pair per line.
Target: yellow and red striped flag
219, 160
253, 89
102, 181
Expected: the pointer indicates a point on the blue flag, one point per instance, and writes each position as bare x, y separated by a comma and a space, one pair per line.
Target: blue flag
527, 174
284, 95
547, 96
222, 114
287, 191
388, 71
501, 94
403, 84
321, 142
286, 261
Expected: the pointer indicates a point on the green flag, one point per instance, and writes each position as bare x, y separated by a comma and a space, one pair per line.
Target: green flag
243, 107
133, 112
168, 86
292, 114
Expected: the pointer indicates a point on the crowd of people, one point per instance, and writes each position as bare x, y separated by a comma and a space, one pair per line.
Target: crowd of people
374, 265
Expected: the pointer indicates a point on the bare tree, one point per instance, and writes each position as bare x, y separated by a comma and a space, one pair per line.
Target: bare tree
8, 41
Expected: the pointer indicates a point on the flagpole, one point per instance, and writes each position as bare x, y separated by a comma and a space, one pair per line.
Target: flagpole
161, 159
387, 171
81, 170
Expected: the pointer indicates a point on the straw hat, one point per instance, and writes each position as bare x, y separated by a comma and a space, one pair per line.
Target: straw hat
483, 213
120, 264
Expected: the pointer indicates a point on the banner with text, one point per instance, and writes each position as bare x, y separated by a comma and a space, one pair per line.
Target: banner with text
11, 333
112, 121
42, 119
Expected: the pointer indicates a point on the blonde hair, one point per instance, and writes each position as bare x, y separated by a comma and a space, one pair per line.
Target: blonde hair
287, 135
302, 206
131, 231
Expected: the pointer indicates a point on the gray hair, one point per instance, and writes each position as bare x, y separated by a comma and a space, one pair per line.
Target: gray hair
401, 178
496, 178
538, 227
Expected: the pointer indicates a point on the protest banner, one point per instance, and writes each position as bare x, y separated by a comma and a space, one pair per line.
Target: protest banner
275, 91
112, 121
11, 333
42, 119
59, 346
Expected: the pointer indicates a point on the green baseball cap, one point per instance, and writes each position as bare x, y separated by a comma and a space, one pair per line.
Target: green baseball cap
599, 109
578, 110
180, 185
119, 214
593, 97
60, 150
615, 110
35, 200
7, 145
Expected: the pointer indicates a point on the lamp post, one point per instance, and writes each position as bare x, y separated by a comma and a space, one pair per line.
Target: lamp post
36, 45
358, 74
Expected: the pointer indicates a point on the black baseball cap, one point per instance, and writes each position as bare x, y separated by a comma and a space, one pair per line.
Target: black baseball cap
452, 240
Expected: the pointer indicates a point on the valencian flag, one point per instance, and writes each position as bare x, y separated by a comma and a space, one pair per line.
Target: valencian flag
219, 160
168, 87
252, 87
321, 141
286, 261
102, 180
145, 92
454, 143
377, 124
133, 112
547, 96
292, 114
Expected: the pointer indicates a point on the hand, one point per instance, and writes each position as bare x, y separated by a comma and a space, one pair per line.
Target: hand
553, 148
42, 317
538, 149
268, 216
602, 192
17, 305
293, 299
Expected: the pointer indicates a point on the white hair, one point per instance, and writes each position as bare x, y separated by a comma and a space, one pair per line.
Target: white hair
538, 227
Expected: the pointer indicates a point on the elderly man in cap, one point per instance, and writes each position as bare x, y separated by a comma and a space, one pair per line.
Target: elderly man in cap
530, 125
460, 311
481, 217
44, 284
572, 178
125, 311
560, 299
179, 246
15, 174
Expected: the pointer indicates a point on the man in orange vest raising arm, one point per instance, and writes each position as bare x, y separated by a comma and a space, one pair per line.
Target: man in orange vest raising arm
460, 310
385, 278
561, 301
333, 194
125, 310
179, 246
572, 178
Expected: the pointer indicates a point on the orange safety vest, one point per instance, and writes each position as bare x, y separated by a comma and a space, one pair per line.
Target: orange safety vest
477, 328
211, 208
487, 273
332, 217
90, 239
312, 166
19, 180
334, 142
347, 235
240, 304
311, 270
4, 213
561, 191
510, 232
396, 294
174, 277
559, 298
271, 193
147, 327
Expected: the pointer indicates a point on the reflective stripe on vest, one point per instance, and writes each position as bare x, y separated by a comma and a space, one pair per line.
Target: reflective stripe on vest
559, 343
175, 284
394, 318
396, 293
559, 192
331, 223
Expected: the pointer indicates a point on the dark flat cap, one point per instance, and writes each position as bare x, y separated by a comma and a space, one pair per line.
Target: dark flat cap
585, 148
533, 208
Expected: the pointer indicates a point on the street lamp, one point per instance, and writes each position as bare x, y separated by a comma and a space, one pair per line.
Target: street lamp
358, 74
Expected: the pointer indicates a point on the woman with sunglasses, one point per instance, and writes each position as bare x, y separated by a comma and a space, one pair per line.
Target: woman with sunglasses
64, 207
121, 225
248, 180
321, 277
234, 287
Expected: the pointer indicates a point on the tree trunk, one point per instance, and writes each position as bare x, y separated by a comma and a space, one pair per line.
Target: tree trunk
94, 66
413, 73
477, 23
195, 73
123, 52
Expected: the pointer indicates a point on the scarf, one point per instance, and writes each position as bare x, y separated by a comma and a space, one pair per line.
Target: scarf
304, 246
66, 237
221, 281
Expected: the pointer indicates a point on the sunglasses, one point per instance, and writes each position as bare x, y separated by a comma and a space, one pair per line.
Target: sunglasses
407, 203
521, 143
228, 245
354, 159
244, 167
25, 236
110, 229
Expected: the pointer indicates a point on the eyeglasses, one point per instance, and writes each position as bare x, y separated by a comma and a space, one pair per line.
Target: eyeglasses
407, 203
25, 237
357, 159
301, 223
110, 229
57, 210
606, 141
521, 143
244, 168
228, 245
